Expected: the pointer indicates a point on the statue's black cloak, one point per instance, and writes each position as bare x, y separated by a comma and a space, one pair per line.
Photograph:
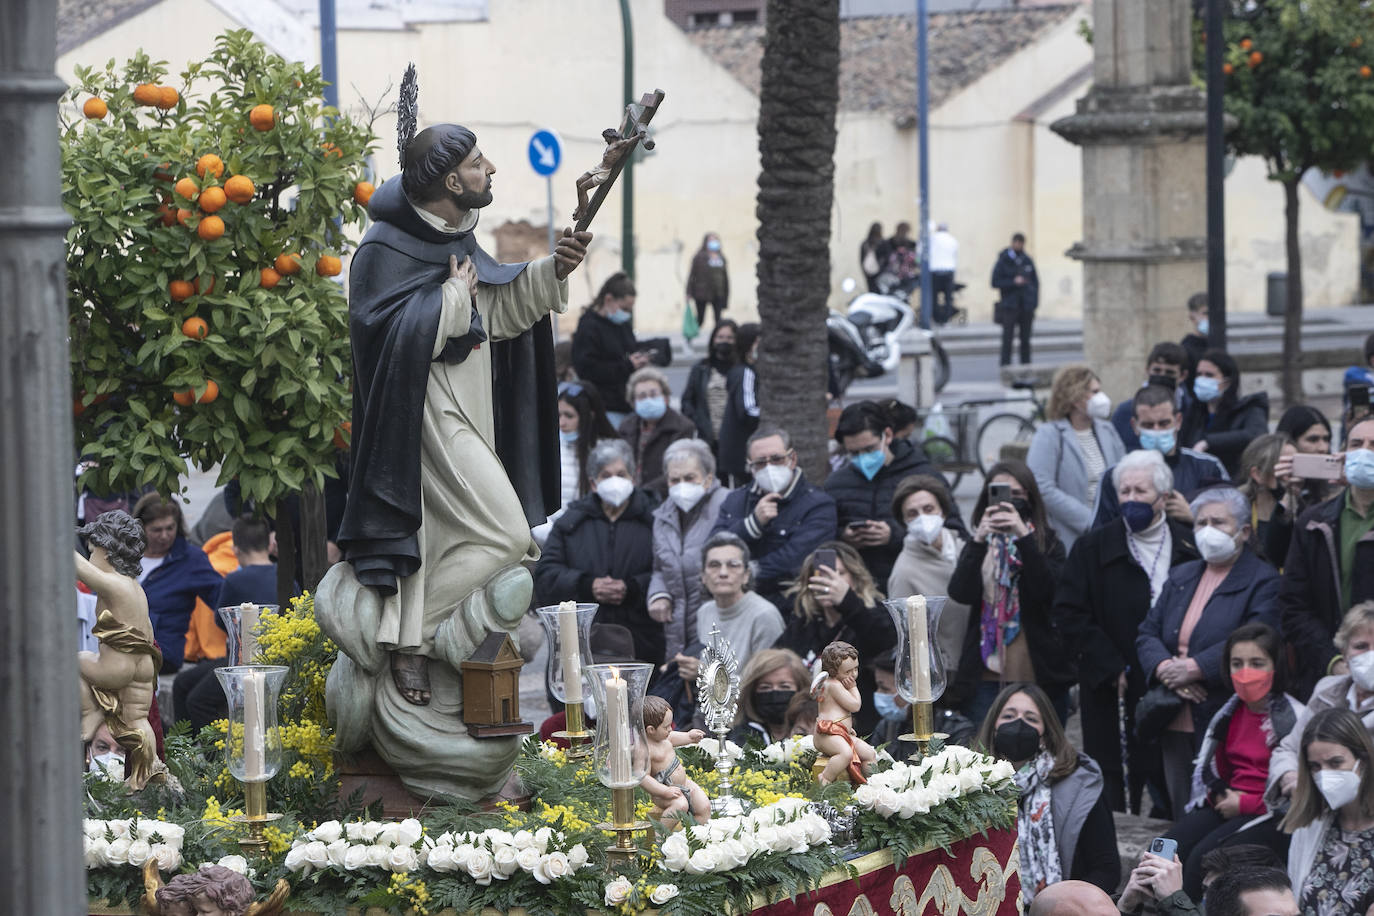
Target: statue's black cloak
394, 305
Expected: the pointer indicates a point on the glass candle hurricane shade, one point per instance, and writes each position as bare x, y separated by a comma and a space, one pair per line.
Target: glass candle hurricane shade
253, 743
621, 747
567, 629
241, 628
920, 670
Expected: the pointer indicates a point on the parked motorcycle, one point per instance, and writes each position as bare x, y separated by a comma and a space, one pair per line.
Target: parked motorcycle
864, 341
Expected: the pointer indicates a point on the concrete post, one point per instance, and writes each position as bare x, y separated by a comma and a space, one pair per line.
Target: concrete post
40, 781
1142, 129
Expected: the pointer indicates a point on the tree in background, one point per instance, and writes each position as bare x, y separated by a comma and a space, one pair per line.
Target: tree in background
1300, 84
209, 216
798, 99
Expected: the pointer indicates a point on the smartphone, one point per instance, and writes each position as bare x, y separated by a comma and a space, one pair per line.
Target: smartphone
999, 493
859, 524
826, 558
1318, 467
1164, 847
1359, 396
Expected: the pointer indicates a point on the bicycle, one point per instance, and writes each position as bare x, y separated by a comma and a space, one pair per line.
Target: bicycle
951, 454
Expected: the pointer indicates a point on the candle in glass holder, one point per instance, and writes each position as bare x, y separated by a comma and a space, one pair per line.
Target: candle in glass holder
248, 632
618, 708
254, 728
570, 652
918, 635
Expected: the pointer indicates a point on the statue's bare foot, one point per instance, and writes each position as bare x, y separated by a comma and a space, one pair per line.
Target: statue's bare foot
411, 674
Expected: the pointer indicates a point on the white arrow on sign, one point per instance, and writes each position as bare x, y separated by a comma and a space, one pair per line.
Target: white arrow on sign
546, 158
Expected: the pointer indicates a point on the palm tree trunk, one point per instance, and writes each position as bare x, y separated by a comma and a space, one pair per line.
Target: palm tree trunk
797, 104
1292, 319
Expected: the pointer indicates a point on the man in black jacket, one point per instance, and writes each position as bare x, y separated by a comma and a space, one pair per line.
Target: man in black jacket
864, 487
1014, 275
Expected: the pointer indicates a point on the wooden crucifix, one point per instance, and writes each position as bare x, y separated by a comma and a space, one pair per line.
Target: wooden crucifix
620, 145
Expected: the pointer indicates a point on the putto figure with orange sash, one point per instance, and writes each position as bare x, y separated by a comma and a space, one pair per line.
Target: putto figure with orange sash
837, 695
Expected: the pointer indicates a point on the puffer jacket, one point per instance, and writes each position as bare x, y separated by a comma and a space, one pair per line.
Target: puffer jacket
677, 564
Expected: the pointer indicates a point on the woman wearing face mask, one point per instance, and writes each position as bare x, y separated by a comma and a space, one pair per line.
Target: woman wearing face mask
1065, 828
1182, 640
1331, 858
1219, 420
1112, 576
703, 400
1311, 434
840, 604
653, 427
708, 283
767, 685
604, 350
582, 424
1069, 454
682, 525
741, 413
601, 550
1265, 478
935, 535
1006, 577
1233, 765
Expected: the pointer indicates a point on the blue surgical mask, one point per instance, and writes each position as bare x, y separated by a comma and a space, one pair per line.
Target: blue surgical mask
1161, 440
886, 705
869, 463
619, 316
713, 245
1204, 326
567, 438
1359, 468
1206, 388
651, 408
1137, 514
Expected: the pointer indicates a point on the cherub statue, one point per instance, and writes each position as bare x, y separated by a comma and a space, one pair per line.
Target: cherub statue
118, 681
667, 783
212, 891
838, 699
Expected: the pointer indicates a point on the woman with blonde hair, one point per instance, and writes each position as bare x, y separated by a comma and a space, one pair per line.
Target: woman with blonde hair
771, 680
840, 603
1070, 452
1273, 494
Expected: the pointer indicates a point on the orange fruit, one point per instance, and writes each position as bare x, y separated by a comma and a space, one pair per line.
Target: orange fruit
211, 391
184, 398
1356, 41
77, 407
95, 109
210, 228
331, 150
180, 289
1246, 44
210, 163
195, 328
167, 97
343, 435
240, 189
1366, 72
1256, 58
187, 188
288, 265
147, 94
183, 215
262, 117
362, 192
268, 278
1227, 69
212, 199
328, 266
166, 215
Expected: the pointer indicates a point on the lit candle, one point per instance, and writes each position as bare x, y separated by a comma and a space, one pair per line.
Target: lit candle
618, 707
570, 652
918, 635
248, 632
254, 729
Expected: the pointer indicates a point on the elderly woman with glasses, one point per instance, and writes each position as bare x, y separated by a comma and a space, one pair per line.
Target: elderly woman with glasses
1182, 641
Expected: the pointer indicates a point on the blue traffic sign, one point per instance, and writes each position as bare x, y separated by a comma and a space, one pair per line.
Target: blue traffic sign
546, 152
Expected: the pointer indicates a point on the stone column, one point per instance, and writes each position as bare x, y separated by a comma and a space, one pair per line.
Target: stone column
40, 781
1142, 129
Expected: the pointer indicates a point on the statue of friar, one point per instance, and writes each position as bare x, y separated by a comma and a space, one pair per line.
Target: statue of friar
453, 455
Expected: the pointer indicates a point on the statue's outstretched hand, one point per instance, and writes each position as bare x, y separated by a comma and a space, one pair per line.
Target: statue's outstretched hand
569, 252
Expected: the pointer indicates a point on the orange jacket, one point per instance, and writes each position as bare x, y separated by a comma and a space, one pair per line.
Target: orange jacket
204, 638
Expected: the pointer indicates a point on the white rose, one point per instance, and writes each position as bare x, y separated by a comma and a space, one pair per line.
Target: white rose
970, 780
551, 867
337, 851
710, 745
817, 829
440, 859
402, 859
371, 830
167, 856
355, 857
410, 831
377, 854
1001, 770
297, 861
354, 832
522, 839
675, 852
806, 744
864, 795
528, 858
316, 853
328, 832
144, 829
503, 858
795, 834
499, 837
171, 834
733, 853
138, 852
703, 861
542, 838
886, 803
480, 866
577, 856
234, 863
93, 828
662, 894
119, 827
390, 835
618, 891
93, 851
461, 854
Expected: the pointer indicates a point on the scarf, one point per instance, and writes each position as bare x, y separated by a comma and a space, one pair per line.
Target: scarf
1001, 619
1040, 866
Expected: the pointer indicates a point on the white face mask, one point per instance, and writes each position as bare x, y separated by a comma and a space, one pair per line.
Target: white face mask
773, 479
686, 495
1215, 545
109, 765
1338, 787
614, 490
1100, 406
1362, 670
925, 528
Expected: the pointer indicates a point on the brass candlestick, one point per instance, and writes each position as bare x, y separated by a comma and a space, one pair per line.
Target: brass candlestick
578, 738
624, 826
922, 726
256, 816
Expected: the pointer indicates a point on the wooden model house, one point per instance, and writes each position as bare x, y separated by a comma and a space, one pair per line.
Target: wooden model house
491, 689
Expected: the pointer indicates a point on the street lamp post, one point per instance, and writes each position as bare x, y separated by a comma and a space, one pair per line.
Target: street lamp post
627, 175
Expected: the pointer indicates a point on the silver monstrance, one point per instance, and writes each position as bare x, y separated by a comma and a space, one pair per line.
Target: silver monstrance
718, 688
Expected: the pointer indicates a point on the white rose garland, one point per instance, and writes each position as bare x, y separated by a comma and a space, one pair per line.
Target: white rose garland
907, 790
131, 842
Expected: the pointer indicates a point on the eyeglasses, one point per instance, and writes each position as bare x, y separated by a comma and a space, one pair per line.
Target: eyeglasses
776, 461
718, 565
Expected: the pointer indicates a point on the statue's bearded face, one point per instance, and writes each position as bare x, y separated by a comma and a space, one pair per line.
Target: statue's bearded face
470, 183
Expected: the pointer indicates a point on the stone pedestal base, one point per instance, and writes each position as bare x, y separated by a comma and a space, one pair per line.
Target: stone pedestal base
379, 782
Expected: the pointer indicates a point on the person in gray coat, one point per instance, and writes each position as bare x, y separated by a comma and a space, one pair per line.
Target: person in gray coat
1070, 454
682, 524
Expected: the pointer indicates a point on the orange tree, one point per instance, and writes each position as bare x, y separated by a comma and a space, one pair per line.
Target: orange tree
209, 212
1298, 82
